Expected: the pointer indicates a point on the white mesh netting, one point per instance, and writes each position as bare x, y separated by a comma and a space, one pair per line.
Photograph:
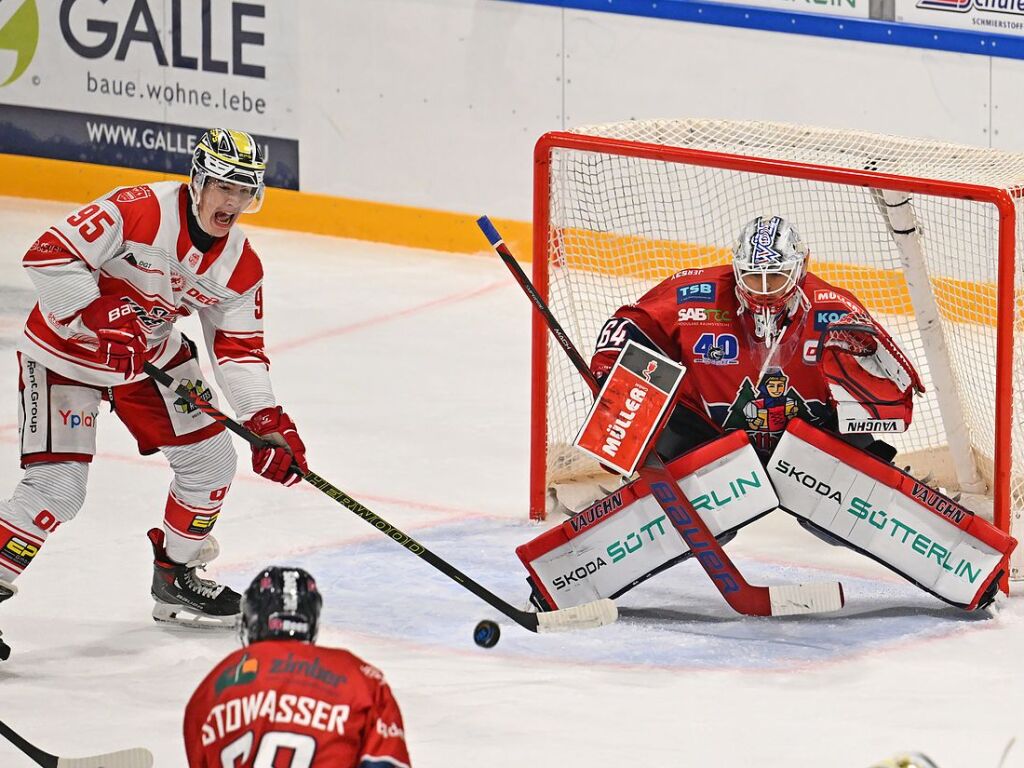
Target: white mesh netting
618, 224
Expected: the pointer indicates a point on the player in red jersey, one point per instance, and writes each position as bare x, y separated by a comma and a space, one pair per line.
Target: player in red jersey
749, 335
811, 377
111, 280
281, 700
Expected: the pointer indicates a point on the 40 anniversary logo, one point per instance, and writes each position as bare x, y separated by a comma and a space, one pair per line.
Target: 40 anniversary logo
19, 32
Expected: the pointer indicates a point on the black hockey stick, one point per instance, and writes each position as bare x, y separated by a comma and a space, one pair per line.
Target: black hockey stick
743, 597
126, 758
592, 614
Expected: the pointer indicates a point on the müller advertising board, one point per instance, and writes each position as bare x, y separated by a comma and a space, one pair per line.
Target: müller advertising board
135, 83
639, 388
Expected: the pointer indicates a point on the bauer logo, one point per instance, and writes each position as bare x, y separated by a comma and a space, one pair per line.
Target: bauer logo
228, 39
19, 34
695, 292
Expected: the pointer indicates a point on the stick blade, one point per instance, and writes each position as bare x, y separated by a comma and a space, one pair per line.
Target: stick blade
126, 758
793, 599
586, 616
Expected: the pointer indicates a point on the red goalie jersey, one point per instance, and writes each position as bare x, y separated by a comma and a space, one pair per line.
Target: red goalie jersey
694, 317
281, 702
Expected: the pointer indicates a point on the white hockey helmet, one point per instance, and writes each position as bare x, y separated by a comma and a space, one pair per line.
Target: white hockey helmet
770, 263
231, 156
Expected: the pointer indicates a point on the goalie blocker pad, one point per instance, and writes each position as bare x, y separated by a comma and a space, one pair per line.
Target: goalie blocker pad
625, 537
911, 528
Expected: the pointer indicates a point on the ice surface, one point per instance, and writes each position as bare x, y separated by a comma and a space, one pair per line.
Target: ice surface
407, 373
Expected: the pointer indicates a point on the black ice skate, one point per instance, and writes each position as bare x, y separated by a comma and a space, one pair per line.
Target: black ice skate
185, 599
7, 590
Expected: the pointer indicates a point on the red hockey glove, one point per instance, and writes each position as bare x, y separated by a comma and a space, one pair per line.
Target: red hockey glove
871, 381
122, 339
275, 426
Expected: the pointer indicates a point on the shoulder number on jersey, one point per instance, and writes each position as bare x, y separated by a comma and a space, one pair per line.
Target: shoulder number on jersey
90, 222
614, 334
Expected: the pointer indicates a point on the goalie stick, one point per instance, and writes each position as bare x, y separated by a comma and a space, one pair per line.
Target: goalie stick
593, 614
742, 596
125, 758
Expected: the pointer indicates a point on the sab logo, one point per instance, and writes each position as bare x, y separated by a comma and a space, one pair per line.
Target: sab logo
20, 33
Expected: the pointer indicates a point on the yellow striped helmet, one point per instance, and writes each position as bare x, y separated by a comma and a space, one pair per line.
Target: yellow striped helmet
232, 156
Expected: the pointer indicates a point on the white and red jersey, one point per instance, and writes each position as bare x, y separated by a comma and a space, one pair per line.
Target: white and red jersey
285, 702
134, 244
693, 317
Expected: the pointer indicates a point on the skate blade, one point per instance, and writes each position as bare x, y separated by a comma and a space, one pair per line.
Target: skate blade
183, 616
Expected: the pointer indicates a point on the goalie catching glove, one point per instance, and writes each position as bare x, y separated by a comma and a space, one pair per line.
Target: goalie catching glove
870, 379
275, 462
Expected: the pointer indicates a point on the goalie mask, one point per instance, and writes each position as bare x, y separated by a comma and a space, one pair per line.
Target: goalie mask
280, 604
770, 264
233, 157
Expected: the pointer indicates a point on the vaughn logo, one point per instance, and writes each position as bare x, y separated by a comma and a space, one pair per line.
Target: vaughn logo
939, 503
587, 517
19, 33
872, 425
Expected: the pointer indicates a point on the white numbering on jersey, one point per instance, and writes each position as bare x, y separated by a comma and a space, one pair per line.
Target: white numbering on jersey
613, 335
302, 747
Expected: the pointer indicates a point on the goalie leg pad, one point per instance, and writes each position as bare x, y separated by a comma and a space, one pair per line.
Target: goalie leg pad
625, 537
886, 514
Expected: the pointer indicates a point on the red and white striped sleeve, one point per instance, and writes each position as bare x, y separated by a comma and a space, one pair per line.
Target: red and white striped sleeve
234, 337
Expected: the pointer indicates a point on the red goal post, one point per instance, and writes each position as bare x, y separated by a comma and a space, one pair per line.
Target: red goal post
619, 207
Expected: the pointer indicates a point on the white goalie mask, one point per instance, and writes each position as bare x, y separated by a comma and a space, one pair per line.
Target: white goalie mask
770, 264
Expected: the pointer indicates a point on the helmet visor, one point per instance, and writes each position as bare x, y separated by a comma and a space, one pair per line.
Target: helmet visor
247, 198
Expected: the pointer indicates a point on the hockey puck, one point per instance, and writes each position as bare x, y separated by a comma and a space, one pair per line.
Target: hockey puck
486, 634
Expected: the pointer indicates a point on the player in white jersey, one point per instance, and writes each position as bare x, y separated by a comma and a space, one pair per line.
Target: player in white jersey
111, 280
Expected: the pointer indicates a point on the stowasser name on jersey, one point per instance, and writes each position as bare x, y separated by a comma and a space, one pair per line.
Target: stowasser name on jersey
287, 709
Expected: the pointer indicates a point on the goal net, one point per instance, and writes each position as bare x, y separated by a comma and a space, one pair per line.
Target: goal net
620, 207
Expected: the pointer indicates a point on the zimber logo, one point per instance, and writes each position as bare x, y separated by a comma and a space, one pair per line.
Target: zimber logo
19, 33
